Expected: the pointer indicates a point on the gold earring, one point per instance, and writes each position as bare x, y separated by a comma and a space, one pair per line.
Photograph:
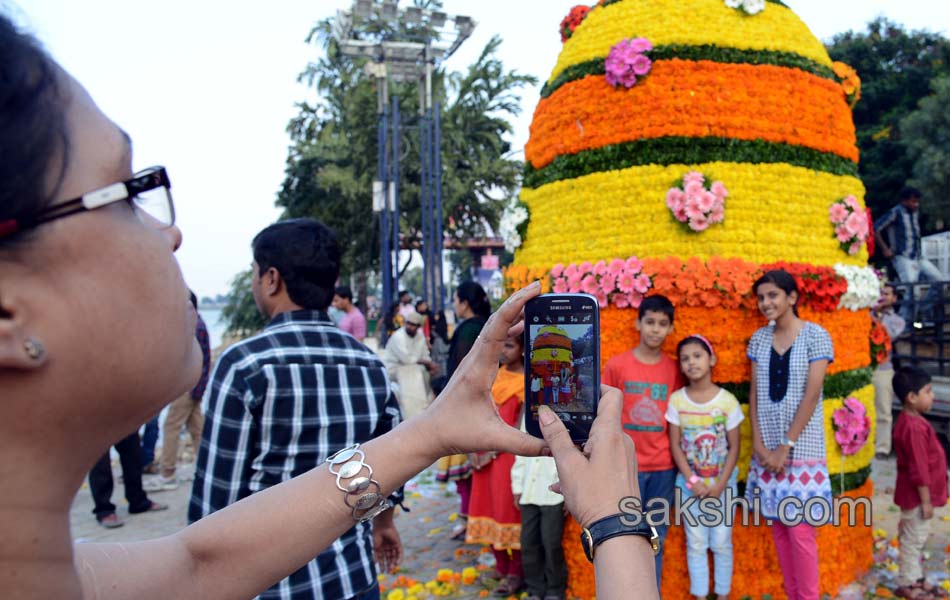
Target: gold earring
34, 349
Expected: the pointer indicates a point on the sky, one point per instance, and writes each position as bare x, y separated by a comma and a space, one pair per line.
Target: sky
207, 87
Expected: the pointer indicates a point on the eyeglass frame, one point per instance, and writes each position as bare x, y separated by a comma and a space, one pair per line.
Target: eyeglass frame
143, 181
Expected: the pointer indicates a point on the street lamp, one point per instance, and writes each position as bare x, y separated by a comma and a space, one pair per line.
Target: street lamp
406, 60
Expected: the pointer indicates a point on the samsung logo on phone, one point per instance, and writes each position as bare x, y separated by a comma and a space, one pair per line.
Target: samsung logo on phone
556, 307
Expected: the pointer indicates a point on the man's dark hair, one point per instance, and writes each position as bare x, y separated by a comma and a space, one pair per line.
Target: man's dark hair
404, 293
306, 253
909, 380
907, 192
344, 291
193, 298
656, 303
33, 129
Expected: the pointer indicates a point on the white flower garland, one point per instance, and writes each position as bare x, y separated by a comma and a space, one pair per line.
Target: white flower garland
750, 7
864, 287
513, 216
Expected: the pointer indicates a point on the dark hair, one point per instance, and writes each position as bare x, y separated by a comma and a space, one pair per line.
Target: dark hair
909, 380
404, 293
890, 284
344, 291
907, 192
692, 339
656, 303
306, 253
194, 299
473, 293
33, 130
422, 301
780, 279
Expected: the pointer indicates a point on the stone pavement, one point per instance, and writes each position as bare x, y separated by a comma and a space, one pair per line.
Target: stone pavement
431, 556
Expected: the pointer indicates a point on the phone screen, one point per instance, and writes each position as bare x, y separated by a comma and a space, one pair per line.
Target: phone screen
562, 356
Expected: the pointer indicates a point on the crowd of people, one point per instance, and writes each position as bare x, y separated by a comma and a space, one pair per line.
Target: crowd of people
305, 443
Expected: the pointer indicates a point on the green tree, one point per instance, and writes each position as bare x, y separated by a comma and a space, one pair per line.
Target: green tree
896, 67
241, 312
926, 132
332, 161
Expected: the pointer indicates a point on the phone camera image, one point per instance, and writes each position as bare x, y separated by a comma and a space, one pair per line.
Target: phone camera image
562, 368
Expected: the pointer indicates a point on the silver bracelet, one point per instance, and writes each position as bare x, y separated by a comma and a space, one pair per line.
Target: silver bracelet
366, 503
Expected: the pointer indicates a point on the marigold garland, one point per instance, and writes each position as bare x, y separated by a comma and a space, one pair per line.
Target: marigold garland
689, 23
695, 98
729, 332
844, 554
850, 82
626, 208
701, 52
572, 21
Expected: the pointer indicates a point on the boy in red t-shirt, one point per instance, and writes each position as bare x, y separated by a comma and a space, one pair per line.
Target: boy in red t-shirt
647, 377
921, 477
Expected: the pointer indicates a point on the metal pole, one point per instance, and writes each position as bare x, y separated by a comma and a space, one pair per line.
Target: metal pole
424, 198
395, 187
385, 260
437, 221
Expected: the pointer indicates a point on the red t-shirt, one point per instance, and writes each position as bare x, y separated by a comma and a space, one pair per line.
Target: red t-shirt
920, 461
646, 391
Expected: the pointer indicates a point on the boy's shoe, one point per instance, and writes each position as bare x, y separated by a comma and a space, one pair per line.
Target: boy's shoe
150, 469
160, 484
152, 507
110, 521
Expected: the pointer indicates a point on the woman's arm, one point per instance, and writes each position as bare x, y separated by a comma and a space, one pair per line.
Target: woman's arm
243, 549
758, 446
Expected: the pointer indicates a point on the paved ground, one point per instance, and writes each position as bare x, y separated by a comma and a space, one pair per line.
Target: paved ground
428, 548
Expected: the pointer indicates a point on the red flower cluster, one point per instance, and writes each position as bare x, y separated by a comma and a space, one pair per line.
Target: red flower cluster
820, 287
880, 343
572, 20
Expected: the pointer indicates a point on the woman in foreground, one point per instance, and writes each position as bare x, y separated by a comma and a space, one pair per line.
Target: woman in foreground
97, 334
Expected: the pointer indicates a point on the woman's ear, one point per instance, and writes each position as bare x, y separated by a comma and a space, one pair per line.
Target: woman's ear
18, 350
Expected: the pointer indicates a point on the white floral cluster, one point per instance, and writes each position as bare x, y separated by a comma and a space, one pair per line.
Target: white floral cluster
864, 287
513, 216
751, 7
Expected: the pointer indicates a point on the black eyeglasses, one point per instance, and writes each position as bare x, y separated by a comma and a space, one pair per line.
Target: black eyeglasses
149, 193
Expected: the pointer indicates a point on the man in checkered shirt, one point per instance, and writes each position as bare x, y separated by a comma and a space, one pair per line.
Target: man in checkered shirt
282, 401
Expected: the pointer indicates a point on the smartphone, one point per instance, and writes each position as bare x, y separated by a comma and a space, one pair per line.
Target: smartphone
562, 361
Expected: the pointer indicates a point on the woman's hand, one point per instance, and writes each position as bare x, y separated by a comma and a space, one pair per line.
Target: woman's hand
775, 459
596, 481
464, 417
699, 489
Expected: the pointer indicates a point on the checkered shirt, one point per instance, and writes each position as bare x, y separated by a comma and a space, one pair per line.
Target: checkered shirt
813, 343
277, 405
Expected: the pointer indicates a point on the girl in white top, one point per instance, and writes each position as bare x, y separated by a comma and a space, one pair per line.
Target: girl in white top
704, 439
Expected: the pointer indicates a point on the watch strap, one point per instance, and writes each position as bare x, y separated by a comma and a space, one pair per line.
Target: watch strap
612, 526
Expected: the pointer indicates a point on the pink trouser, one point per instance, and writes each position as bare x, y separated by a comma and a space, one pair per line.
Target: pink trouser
797, 549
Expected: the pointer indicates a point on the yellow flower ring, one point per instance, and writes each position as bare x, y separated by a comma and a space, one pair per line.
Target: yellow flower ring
759, 573
627, 210
695, 99
699, 22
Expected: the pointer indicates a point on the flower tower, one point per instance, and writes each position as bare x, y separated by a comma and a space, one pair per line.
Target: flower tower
683, 148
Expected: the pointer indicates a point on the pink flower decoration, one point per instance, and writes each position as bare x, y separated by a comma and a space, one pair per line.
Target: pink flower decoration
557, 270
675, 199
585, 267
600, 268
589, 285
634, 264
560, 285
601, 298
719, 190
626, 282
841, 232
642, 284
693, 188
852, 426
855, 248
693, 212
608, 283
640, 45
620, 300
574, 283
626, 61
694, 177
852, 203
857, 224
718, 215
838, 213
641, 65
707, 201
635, 299
570, 270
699, 223
615, 267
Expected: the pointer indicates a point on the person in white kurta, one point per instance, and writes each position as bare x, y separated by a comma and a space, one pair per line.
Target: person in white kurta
410, 366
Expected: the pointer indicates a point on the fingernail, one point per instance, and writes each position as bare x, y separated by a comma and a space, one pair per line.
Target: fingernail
546, 415
546, 451
535, 283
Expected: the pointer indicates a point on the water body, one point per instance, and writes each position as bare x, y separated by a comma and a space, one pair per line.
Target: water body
216, 325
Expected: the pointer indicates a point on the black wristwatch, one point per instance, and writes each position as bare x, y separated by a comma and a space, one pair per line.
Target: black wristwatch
603, 529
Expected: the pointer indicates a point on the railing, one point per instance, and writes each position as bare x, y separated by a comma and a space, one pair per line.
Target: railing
926, 343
